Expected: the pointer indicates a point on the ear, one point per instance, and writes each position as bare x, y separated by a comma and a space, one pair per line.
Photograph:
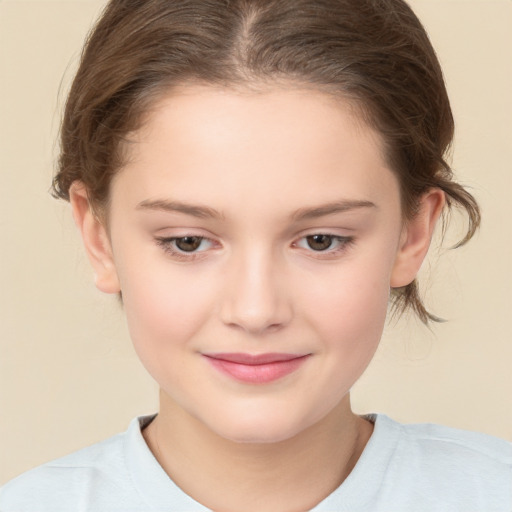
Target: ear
95, 238
416, 237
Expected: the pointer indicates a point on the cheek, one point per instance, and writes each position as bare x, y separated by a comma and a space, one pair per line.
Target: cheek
355, 294
164, 308
352, 324
349, 311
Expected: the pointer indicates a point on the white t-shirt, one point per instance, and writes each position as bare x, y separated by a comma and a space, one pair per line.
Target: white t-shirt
403, 468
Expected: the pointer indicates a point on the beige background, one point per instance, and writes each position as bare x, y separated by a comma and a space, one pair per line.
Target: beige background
68, 374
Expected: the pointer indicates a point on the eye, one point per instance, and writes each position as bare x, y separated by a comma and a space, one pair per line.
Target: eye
319, 242
188, 243
185, 247
325, 243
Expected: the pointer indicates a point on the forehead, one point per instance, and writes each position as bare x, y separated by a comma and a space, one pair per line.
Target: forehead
208, 113
206, 143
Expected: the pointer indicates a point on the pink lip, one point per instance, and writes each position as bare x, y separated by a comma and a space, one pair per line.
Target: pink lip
256, 369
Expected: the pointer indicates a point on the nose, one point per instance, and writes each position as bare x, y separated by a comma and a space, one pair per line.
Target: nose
256, 298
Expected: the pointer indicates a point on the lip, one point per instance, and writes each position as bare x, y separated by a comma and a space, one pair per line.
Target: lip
256, 368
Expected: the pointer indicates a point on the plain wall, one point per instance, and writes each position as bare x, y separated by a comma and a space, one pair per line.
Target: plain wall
68, 374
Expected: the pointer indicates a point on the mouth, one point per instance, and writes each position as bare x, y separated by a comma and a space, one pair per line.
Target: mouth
256, 369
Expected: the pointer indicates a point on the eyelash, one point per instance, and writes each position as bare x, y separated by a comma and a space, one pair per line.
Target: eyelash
344, 242
167, 244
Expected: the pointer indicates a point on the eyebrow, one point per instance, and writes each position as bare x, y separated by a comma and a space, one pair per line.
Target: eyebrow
202, 212
342, 206
205, 212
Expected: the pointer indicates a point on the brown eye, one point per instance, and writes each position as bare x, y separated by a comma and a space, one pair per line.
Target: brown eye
188, 243
319, 242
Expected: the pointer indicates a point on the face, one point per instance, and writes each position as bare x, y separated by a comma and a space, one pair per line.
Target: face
254, 238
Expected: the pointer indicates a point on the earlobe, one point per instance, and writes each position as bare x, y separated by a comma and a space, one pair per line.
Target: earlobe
95, 239
416, 237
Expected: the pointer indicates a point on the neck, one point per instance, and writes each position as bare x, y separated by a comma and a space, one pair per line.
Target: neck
295, 474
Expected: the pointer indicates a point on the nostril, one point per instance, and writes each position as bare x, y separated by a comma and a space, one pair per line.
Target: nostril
256, 323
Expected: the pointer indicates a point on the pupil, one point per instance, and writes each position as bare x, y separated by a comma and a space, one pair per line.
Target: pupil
188, 243
319, 242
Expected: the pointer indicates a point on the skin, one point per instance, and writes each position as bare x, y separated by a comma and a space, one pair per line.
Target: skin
255, 285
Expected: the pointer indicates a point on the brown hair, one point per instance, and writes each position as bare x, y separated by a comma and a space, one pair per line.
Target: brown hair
374, 53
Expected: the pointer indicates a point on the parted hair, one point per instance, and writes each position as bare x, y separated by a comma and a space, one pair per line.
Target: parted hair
373, 53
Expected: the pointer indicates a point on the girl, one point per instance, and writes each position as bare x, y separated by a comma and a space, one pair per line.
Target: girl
258, 180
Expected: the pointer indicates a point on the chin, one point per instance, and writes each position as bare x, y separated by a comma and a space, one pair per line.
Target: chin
260, 430
261, 436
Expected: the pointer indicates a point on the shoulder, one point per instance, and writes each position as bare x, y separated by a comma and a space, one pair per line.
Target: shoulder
426, 468
71, 482
458, 465
462, 446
